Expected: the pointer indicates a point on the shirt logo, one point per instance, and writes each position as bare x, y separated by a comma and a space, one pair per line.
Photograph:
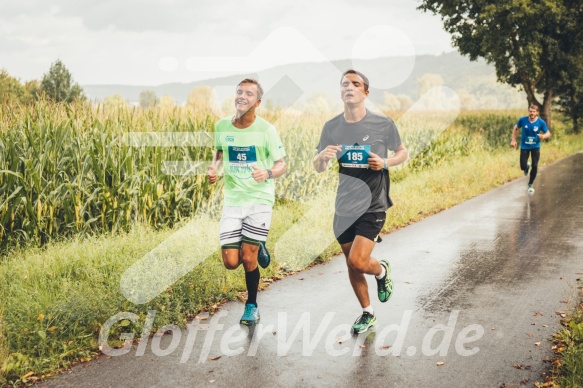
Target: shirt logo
365, 138
230, 138
535, 129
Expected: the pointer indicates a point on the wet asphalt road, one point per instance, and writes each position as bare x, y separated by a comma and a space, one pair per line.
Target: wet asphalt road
476, 287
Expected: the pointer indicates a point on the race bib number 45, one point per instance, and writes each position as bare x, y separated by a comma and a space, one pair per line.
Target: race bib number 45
355, 156
242, 156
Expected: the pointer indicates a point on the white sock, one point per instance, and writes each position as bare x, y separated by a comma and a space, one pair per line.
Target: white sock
383, 273
368, 310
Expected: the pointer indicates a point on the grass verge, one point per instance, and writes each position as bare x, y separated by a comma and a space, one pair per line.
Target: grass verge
55, 299
567, 368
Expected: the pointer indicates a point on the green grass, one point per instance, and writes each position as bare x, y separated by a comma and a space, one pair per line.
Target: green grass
58, 297
55, 298
571, 373
567, 368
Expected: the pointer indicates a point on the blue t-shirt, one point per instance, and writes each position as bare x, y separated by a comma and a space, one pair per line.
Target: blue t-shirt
529, 138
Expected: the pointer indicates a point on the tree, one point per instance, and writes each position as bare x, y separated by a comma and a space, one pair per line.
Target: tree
58, 84
11, 91
317, 103
201, 99
571, 92
148, 99
167, 103
528, 42
397, 103
114, 102
228, 105
33, 90
391, 102
405, 101
429, 81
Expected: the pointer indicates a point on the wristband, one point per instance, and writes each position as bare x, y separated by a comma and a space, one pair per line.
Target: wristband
385, 166
269, 174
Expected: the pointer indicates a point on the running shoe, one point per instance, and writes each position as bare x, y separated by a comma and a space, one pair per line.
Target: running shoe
527, 168
251, 315
364, 322
530, 188
385, 285
263, 257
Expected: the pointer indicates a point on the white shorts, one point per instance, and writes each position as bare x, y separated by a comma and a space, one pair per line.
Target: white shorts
240, 223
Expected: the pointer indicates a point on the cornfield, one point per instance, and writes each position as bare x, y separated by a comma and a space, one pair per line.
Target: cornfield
71, 171
68, 169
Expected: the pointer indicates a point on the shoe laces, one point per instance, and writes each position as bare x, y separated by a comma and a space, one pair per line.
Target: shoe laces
364, 318
382, 282
249, 309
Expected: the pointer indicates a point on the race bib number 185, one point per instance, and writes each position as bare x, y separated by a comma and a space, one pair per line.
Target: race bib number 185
355, 156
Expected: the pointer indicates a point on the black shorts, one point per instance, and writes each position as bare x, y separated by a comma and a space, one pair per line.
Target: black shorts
368, 225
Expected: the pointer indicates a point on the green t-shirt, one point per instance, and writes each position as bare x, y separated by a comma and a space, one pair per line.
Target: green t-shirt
257, 145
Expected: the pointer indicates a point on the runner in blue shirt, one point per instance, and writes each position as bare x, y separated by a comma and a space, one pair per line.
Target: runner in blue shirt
534, 129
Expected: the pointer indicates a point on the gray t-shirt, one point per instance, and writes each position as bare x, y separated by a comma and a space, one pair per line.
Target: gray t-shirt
360, 189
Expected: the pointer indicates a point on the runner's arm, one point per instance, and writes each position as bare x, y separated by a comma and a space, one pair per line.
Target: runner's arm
513, 143
212, 172
321, 160
545, 135
400, 156
279, 168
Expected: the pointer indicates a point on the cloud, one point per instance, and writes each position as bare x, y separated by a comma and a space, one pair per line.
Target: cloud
8, 44
123, 41
10, 9
170, 16
134, 15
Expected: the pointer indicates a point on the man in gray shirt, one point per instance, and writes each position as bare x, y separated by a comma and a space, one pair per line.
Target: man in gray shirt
360, 140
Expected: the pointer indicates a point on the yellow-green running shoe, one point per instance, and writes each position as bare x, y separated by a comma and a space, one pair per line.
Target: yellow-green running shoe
385, 285
364, 322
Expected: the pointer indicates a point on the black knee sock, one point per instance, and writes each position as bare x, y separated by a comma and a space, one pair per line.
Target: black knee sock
252, 282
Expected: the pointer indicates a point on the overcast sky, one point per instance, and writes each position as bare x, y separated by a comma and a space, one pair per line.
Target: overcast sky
149, 43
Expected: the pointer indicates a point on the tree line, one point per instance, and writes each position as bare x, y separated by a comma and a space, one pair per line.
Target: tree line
57, 84
537, 45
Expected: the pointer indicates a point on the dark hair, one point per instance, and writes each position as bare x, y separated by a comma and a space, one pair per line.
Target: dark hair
254, 82
358, 73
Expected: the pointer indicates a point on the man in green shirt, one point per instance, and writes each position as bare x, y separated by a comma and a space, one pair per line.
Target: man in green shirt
252, 154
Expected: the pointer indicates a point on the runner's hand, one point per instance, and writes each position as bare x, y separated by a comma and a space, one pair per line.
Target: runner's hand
375, 162
329, 152
258, 174
513, 144
212, 174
